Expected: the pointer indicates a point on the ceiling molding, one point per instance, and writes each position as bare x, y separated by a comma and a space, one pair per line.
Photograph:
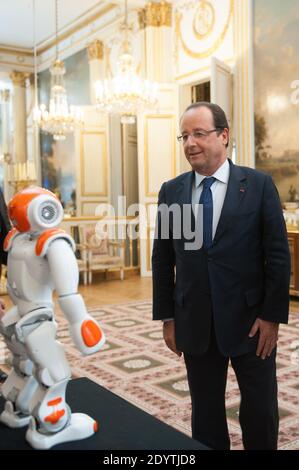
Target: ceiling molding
15, 51
69, 29
94, 23
73, 29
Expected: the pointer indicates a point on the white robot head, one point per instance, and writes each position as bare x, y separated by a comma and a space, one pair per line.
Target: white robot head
35, 209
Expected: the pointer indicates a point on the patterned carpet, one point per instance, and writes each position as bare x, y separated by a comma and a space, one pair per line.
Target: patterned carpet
136, 365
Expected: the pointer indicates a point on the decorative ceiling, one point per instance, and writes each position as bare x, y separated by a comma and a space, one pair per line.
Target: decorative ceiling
17, 19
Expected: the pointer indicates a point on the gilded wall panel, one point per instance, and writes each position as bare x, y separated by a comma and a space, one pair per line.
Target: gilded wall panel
159, 158
202, 29
93, 156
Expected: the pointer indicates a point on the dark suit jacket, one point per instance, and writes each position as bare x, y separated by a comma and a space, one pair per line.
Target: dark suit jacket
243, 275
5, 226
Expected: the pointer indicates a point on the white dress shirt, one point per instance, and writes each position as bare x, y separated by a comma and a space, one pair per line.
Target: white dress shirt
218, 189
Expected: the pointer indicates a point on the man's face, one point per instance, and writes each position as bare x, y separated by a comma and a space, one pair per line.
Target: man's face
204, 153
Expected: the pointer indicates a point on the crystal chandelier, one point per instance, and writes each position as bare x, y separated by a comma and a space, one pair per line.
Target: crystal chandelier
127, 93
60, 119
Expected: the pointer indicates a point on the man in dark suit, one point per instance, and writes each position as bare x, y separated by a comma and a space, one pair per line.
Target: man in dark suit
224, 298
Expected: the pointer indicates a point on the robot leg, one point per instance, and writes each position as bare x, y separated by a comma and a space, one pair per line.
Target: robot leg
52, 421
20, 385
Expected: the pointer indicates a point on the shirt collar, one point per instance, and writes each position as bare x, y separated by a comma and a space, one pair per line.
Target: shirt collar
222, 174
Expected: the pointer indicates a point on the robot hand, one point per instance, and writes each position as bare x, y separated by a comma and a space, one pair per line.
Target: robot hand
87, 335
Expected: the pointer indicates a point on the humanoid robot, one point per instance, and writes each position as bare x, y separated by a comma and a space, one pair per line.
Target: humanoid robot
40, 259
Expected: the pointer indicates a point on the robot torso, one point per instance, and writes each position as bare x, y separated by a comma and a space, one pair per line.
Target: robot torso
29, 279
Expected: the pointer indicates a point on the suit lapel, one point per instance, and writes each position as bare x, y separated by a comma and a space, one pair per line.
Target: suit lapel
184, 195
236, 190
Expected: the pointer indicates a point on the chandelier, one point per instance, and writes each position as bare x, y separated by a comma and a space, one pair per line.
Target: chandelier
127, 93
60, 119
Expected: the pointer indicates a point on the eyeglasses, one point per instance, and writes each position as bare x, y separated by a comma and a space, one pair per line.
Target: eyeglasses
197, 135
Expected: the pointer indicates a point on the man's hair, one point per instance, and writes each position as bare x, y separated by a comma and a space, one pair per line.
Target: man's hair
219, 117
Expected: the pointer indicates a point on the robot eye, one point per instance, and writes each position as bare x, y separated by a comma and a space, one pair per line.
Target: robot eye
48, 212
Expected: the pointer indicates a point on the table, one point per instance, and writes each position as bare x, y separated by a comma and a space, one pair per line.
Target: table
121, 424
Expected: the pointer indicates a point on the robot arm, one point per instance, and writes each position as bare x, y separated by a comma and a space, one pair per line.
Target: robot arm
85, 331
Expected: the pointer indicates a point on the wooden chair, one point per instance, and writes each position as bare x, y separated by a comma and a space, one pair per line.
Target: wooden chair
82, 260
103, 253
80, 253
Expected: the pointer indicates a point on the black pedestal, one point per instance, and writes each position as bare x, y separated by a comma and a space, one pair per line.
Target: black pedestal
121, 425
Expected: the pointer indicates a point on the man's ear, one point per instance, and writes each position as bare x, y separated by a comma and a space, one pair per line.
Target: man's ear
225, 135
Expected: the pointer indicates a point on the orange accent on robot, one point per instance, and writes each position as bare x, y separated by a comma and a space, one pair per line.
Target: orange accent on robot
18, 206
41, 258
54, 417
95, 426
8, 237
44, 237
54, 402
91, 333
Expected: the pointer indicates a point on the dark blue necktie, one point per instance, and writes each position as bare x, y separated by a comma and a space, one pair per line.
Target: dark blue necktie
206, 199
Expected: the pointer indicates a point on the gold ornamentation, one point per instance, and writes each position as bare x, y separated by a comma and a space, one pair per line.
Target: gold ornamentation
20, 175
204, 19
95, 50
141, 19
18, 52
108, 72
32, 79
155, 14
4, 96
7, 157
19, 78
208, 52
3, 279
